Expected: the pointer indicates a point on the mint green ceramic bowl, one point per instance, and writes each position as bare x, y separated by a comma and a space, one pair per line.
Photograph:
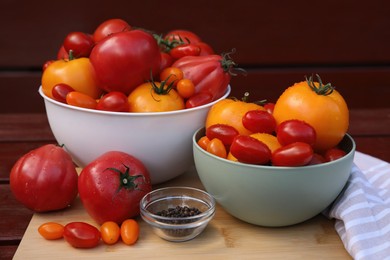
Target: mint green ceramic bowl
273, 196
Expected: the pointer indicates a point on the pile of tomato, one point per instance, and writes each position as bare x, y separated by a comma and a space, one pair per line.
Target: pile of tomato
124, 69
303, 127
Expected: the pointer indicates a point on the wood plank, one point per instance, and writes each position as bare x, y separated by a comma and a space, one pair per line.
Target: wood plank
7, 252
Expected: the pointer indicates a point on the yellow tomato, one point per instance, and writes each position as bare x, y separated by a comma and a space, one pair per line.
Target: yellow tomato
319, 105
230, 112
154, 97
77, 73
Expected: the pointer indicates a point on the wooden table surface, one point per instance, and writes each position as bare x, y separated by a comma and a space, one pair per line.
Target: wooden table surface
316, 238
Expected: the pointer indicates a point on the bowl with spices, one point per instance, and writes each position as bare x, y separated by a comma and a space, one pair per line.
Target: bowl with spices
177, 214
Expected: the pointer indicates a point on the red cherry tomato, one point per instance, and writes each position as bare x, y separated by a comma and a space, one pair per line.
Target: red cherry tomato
250, 150
186, 49
294, 154
269, 107
182, 36
166, 61
79, 99
223, 132
291, 131
113, 101
199, 99
60, 91
81, 235
80, 43
317, 159
62, 54
334, 154
109, 27
259, 121
205, 49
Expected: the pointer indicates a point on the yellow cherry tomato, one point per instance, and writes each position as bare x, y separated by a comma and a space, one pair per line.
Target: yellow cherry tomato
51, 230
319, 105
185, 88
110, 232
78, 99
216, 147
79, 74
129, 231
171, 75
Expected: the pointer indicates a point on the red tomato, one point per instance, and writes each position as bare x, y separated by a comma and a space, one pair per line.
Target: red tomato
112, 186
166, 60
44, 179
205, 49
317, 159
62, 54
291, 131
223, 132
81, 235
334, 154
79, 43
210, 74
259, 121
125, 60
269, 107
182, 36
187, 49
109, 27
199, 99
248, 149
294, 154
79, 99
60, 90
113, 101
46, 64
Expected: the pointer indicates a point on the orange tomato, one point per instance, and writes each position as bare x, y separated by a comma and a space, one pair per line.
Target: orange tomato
230, 112
216, 147
185, 88
319, 105
110, 232
171, 75
154, 97
129, 231
51, 230
79, 99
203, 142
79, 74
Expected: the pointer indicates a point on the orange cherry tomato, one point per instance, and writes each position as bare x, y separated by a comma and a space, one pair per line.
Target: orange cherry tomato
319, 105
79, 74
129, 231
110, 232
216, 147
230, 112
185, 88
79, 99
171, 75
51, 230
203, 142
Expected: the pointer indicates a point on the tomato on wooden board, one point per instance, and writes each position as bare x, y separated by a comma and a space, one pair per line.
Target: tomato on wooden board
44, 179
79, 74
110, 27
112, 186
259, 121
81, 235
294, 154
110, 232
124, 60
223, 132
155, 97
113, 101
319, 105
51, 230
248, 149
78, 99
80, 43
291, 131
129, 231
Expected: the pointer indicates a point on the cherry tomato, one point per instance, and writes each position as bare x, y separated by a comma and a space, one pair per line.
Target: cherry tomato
129, 231
223, 132
79, 99
62, 54
248, 149
203, 142
334, 154
46, 64
60, 91
259, 121
187, 49
293, 154
182, 36
166, 60
317, 159
291, 131
269, 107
199, 99
171, 75
80, 43
110, 232
109, 27
185, 88
51, 230
216, 147
205, 49
81, 235
113, 101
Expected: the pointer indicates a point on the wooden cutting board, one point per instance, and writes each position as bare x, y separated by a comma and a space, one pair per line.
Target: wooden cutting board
224, 238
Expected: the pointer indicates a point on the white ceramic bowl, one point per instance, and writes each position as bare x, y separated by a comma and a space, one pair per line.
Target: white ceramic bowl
269, 195
162, 141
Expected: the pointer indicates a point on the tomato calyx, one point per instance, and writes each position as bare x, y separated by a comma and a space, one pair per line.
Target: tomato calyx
321, 89
229, 66
126, 180
168, 44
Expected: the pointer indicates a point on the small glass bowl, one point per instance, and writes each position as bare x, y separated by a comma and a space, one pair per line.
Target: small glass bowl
177, 229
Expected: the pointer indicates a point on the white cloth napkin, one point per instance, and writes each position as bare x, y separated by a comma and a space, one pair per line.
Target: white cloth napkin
362, 211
